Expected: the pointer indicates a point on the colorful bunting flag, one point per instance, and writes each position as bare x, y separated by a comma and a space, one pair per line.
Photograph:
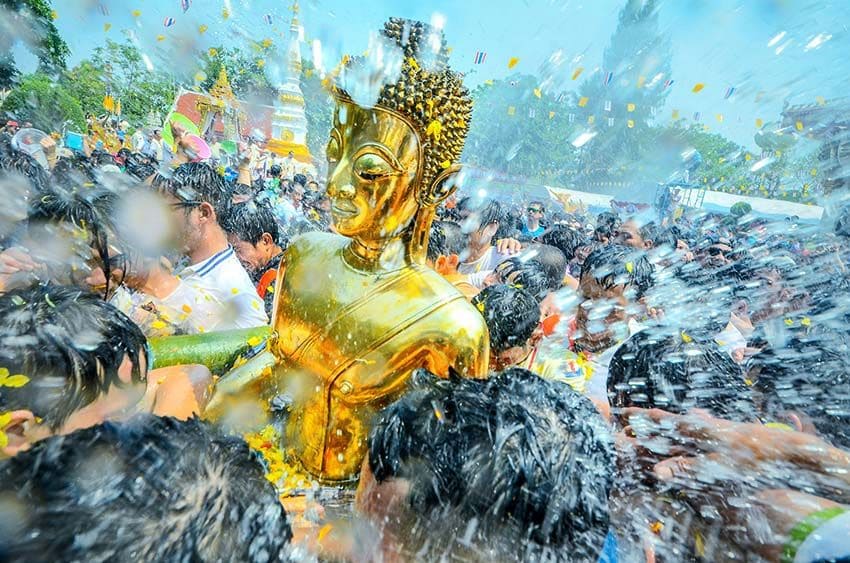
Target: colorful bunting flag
697, 87
513, 62
577, 72
185, 4
697, 115
582, 101
168, 22
269, 19
538, 93
729, 91
606, 78
669, 82
480, 57
104, 9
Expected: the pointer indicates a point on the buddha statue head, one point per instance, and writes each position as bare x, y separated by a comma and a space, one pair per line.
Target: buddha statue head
393, 162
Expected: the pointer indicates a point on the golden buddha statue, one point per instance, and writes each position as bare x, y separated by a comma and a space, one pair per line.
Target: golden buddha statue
356, 312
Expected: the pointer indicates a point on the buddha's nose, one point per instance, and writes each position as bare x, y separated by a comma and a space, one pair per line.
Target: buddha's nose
341, 190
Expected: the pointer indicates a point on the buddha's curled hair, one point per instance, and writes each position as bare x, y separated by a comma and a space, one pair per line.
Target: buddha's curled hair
431, 96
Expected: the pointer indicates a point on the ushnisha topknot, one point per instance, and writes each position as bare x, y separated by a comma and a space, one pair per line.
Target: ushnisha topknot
434, 100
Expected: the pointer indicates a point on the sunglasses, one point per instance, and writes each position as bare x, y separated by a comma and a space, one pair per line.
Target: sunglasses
534, 210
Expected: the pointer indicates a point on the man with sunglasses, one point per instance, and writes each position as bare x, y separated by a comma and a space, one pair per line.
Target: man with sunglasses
532, 227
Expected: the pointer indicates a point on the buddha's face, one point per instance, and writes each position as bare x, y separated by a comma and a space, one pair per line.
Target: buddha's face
374, 159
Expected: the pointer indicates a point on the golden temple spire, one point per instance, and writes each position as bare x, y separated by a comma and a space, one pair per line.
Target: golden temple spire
221, 89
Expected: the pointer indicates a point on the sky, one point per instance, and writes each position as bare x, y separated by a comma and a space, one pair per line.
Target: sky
770, 51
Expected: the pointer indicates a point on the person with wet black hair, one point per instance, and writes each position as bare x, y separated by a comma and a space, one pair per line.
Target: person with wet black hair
254, 234
675, 372
512, 468
613, 282
565, 239
482, 224
528, 275
445, 243
607, 224
805, 385
149, 489
22, 164
511, 315
200, 202
552, 261
76, 361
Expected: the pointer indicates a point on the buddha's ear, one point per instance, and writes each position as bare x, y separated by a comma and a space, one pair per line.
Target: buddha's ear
442, 187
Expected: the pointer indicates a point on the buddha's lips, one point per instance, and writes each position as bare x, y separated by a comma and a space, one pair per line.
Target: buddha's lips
346, 211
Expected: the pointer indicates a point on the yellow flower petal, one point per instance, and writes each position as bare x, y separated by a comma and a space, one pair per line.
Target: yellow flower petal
160, 37
630, 107
254, 340
577, 72
107, 27
513, 62
412, 62
582, 101
697, 87
799, 126
686, 338
202, 29
136, 13
538, 92
158, 324
18, 380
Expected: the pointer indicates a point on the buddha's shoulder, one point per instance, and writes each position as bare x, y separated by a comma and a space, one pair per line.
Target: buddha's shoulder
315, 244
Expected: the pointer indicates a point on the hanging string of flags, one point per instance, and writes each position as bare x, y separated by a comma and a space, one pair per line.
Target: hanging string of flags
168, 22
480, 57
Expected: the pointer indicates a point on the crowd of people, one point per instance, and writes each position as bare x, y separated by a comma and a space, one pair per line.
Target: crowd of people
660, 390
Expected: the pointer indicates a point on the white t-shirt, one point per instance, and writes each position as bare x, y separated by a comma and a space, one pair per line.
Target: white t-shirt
185, 311
488, 261
229, 297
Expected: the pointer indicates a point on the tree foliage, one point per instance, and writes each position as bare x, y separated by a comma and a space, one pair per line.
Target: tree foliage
319, 108
621, 112
46, 103
31, 22
515, 132
246, 74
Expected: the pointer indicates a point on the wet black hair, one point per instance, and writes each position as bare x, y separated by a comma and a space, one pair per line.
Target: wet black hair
552, 261
565, 239
528, 275
809, 375
516, 466
675, 372
511, 315
613, 264
274, 170
300, 179
198, 182
487, 214
19, 162
249, 220
149, 489
606, 223
70, 344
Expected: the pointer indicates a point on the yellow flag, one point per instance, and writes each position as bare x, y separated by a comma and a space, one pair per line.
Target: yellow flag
630, 123
108, 103
697, 87
799, 126
537, 92
136, 13
511, 110
582, 101
630, 107
160, 37
577, 72
202, 29
513, 62
759, 122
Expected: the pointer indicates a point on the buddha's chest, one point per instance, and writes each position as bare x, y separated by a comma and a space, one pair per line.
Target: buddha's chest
340, 325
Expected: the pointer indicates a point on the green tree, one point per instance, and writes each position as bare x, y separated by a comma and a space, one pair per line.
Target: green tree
31, 22
48, 104
319, 107
122, 72
621, 111
517, 132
